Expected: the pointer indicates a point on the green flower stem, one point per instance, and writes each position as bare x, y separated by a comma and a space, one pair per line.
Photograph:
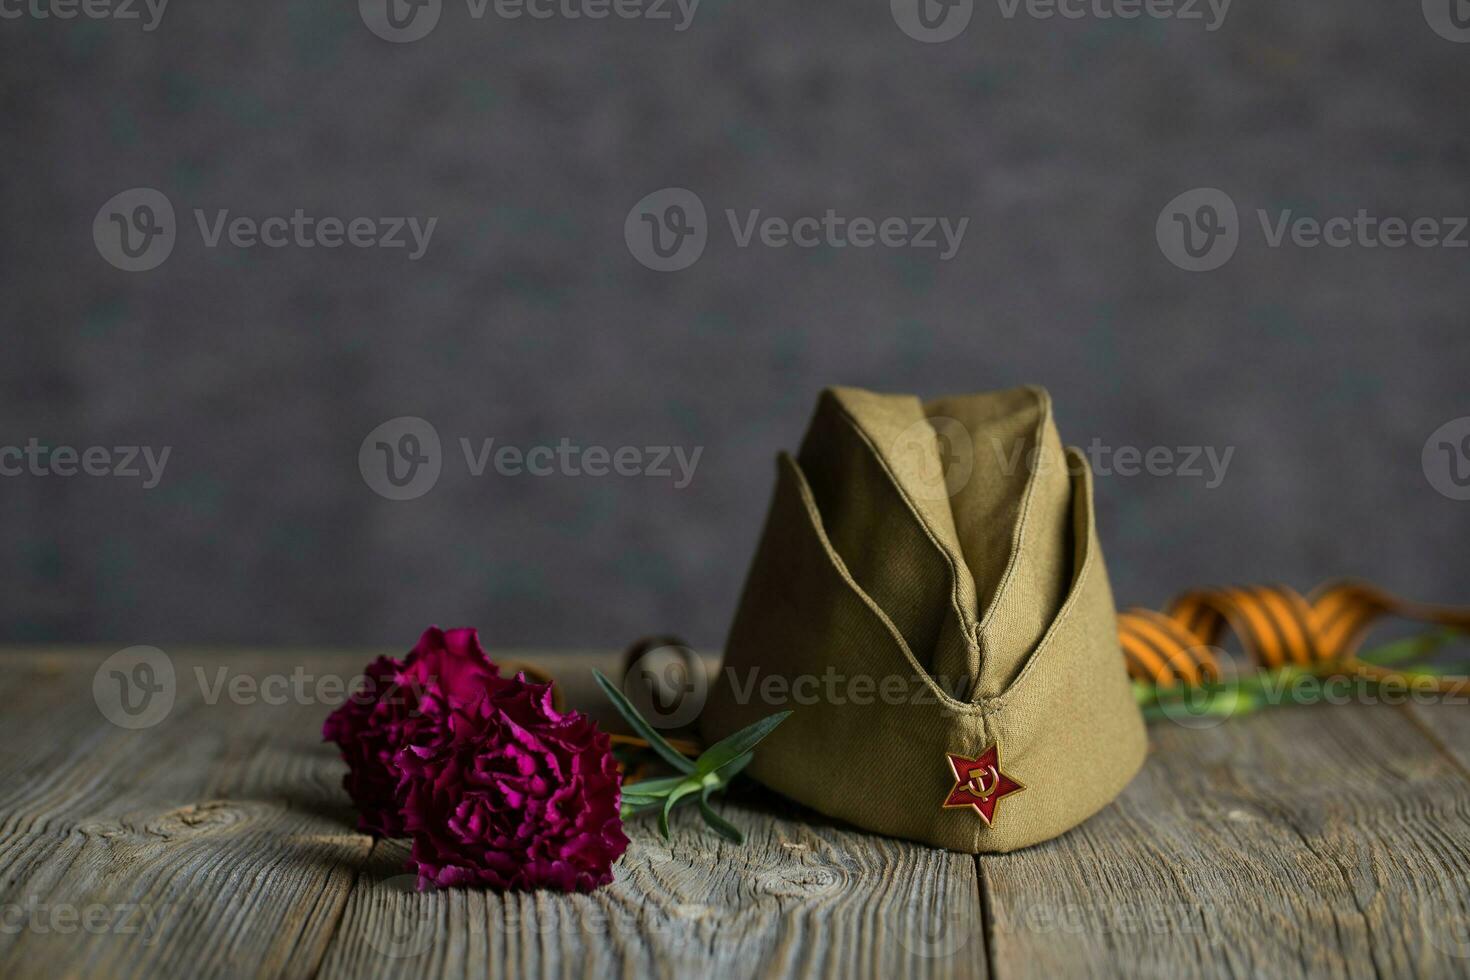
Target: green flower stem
697, 780
1248, 692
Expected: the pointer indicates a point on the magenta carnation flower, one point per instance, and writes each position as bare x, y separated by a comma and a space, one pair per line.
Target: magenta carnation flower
510, 793
444, 669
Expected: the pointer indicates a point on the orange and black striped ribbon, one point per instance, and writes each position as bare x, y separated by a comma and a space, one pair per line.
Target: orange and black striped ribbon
1276, 626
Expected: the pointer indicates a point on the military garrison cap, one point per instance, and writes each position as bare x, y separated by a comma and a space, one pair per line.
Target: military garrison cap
929, 597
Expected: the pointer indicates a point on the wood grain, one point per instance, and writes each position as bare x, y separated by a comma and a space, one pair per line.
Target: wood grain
1302, 841
216, 842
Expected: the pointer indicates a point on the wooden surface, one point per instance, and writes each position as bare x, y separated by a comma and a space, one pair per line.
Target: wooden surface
1303, 841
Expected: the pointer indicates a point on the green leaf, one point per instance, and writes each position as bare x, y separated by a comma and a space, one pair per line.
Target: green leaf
716, 822
722, 776
733, 746
644, 730
683, 791
1409, 647
634, 799
634, 806
652, 787
1424, 671
631, 809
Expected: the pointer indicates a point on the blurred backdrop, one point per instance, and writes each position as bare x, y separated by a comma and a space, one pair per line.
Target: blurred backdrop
531, 312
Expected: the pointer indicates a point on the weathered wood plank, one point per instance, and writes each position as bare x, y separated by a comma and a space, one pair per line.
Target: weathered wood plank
801, 898
227, 821
1303, 841
211, 844
1445, 721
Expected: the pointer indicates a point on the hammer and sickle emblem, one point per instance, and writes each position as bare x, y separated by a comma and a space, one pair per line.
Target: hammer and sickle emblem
978, 787
980, 783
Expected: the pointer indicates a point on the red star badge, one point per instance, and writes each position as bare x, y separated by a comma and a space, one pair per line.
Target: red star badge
980, 783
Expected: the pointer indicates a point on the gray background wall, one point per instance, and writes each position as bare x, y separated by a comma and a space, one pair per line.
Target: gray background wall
528, 320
